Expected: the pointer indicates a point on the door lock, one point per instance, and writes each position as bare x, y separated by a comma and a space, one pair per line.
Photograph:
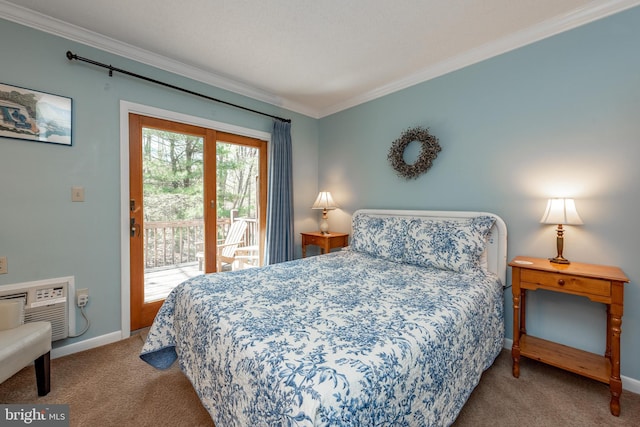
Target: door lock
134, 229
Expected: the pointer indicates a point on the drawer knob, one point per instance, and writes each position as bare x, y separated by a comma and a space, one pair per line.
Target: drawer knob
561, 282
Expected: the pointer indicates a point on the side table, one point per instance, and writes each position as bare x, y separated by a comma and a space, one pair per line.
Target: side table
599, 283
325, 241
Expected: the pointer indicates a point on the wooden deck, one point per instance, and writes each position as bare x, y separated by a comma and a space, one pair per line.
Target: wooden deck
159, 282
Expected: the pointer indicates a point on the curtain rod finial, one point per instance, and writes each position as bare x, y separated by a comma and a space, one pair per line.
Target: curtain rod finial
70, 55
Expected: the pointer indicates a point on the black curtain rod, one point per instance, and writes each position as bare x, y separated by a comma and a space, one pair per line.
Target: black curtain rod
111, 69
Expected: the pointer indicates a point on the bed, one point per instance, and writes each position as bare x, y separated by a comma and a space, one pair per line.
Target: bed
394, 330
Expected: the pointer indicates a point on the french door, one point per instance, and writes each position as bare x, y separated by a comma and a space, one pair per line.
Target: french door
187, 185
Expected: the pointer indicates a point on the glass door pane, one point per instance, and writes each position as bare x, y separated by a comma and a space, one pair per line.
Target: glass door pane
173, 203
238, 200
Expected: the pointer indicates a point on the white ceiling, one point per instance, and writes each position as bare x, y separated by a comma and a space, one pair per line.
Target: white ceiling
315, 57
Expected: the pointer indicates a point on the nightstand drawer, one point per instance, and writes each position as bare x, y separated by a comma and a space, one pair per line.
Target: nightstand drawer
567, 282
314, 240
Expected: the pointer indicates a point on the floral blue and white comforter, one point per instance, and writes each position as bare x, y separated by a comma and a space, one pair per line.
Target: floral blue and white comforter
343, 339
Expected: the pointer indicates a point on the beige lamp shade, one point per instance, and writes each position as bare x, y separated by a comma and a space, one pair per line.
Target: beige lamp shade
561, 211
324, 201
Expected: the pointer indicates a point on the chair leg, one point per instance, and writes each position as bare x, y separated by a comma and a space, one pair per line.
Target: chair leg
43, 373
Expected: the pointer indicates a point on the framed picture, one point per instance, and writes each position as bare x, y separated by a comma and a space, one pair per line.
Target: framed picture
34, 116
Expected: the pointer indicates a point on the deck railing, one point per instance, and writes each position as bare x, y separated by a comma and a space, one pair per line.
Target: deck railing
171, 243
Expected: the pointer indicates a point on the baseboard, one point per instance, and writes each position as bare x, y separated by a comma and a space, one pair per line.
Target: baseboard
86, 344
628, 383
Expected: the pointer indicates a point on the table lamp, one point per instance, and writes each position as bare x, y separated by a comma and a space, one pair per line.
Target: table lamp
326, 203
561, 212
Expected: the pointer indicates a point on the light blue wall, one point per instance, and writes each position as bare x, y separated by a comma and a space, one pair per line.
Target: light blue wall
42, 233
560, 117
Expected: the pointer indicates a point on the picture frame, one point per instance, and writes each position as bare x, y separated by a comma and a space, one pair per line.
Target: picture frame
35, 116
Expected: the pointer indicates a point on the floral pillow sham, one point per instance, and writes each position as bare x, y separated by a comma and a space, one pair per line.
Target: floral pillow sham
446, 244
382, 237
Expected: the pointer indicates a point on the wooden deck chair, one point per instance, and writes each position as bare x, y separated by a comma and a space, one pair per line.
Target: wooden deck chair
227, 250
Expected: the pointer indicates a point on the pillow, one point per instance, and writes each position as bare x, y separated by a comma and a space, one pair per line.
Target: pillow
379, 236
447, 244
11, 313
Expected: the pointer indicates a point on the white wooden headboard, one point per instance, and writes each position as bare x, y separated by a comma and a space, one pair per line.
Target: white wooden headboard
496, 242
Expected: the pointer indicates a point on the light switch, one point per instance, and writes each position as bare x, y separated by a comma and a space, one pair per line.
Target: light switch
77, 194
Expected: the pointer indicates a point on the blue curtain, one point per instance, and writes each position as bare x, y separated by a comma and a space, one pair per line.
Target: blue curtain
279, 236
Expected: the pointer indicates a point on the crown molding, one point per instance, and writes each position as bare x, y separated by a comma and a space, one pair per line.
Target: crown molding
591, 12
47, 24
578, 17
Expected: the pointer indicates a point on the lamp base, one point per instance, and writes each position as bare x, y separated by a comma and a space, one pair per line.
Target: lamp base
324, 225
559, 260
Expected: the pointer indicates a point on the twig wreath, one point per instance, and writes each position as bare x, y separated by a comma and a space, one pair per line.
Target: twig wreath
430, 150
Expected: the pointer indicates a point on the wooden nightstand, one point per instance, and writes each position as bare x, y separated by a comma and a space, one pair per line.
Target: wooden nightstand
325, 241
599, 283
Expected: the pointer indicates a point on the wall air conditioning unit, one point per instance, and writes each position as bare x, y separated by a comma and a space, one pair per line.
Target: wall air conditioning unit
45, 300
